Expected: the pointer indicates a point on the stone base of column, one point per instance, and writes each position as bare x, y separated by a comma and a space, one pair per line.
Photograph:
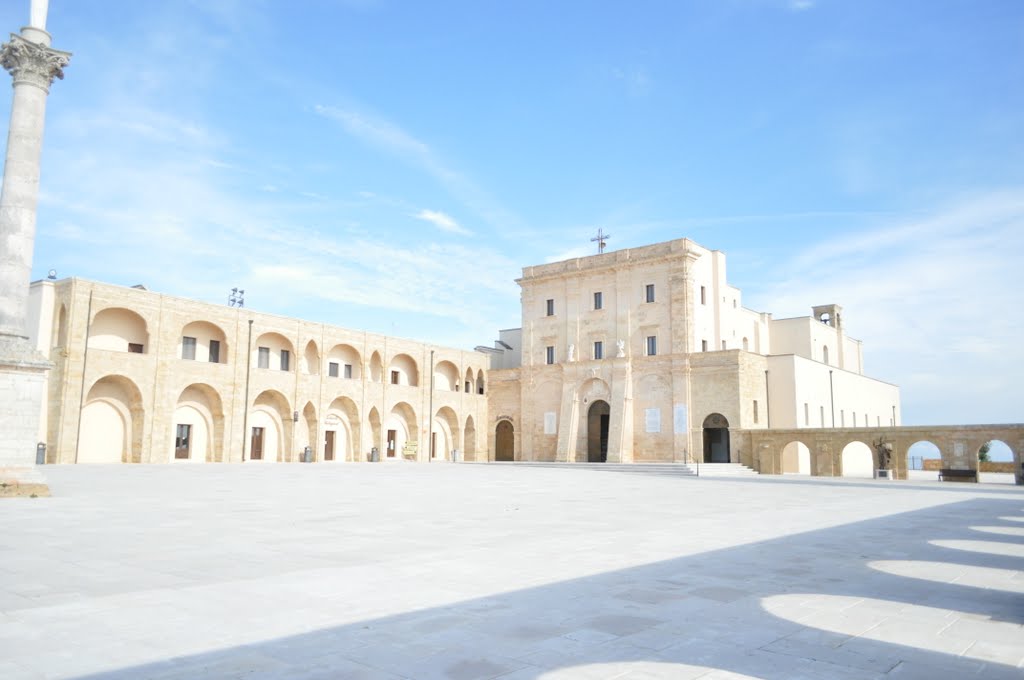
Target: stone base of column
22, 386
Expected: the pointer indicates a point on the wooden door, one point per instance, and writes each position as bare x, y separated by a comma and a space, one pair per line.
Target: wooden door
256, 446
329, 445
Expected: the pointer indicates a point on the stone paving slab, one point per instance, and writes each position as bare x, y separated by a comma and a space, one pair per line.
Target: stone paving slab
514, 572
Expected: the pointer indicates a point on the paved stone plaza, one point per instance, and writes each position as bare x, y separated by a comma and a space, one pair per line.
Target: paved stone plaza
480, 571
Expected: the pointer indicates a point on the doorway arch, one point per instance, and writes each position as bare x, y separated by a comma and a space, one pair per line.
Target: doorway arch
716, 439
598, 417
504, 442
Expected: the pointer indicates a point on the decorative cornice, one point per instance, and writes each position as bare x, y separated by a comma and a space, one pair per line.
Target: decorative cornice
31, 63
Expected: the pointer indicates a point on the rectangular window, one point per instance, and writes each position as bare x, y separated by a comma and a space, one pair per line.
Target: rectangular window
807, 414
723, 344
549, 355
394, 377
842, 418
135, 348
188, 348
263, 358
551, 307
182, 442
286, 359
598, 300
214, 351
649, 292
599, 350
703, 295
755, 410
823, 416
652, 345
348, 371
703, 345
853, 419
332, 369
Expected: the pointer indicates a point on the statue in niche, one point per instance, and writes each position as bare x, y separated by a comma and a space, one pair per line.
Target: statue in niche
620, 346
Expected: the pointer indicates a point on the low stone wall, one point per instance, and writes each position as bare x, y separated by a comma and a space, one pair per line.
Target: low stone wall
935, 465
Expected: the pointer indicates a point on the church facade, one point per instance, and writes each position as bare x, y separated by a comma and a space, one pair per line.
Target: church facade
639, 355
648, 355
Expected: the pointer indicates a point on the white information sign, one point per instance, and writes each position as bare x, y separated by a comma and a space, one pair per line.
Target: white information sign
679, 418
550, 423
652, 419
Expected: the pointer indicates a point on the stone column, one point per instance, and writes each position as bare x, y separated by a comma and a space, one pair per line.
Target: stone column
33, 65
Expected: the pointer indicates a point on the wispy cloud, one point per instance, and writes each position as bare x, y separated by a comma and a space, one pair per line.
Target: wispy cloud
442, 221
393, 139
638, 81
916, 289
801, 5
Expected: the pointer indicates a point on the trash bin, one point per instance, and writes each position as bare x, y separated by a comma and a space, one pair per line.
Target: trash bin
307, 455
374, 455
41, 453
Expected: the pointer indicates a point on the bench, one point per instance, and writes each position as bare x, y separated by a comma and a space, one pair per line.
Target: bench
951, 475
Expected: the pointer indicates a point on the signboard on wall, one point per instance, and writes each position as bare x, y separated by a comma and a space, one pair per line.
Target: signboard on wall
652, 419
679, 418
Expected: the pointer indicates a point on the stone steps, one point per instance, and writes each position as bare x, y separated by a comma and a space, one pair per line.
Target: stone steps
678, 469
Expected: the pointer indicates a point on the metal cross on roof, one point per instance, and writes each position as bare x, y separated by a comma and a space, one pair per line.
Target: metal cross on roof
600, 239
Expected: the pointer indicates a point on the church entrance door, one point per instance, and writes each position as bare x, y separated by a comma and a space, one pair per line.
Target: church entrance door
598, 418
716, 439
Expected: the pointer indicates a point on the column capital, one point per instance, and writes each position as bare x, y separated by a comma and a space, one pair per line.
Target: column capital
32, 63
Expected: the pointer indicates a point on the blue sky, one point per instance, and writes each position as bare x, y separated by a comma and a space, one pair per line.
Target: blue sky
392, 166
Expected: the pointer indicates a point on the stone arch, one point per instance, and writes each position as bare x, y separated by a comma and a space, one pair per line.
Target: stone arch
1000, 466
119, 330
310, 364
858, 460
716, 439
403, 370
373, 418
205, 335
824, 358
920, 452
444, 434
198, 425
346, 355
796, 458
275, 344
504, 441
376, 368
469, 439
306, 433
469, 381
594, 388
746, 344
111, 422
480, 381
446, 377
343, 419
272, 416
402, 432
